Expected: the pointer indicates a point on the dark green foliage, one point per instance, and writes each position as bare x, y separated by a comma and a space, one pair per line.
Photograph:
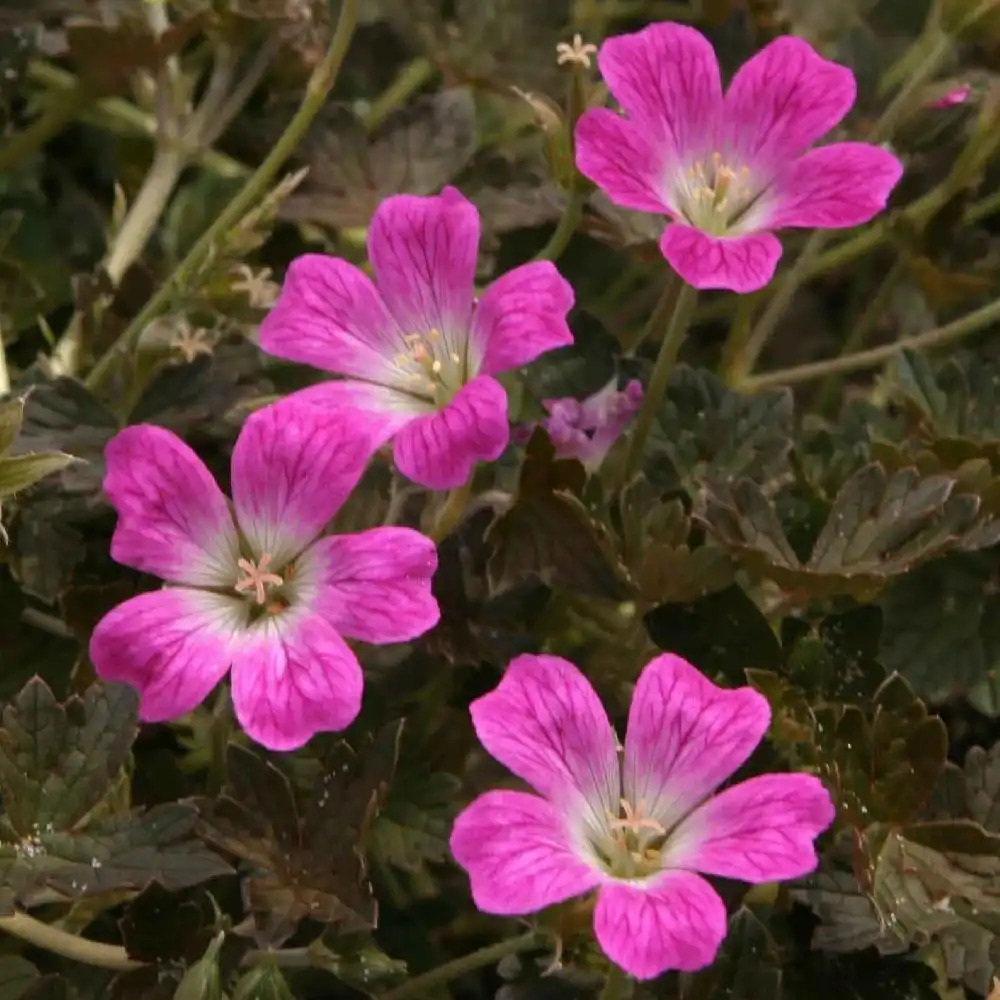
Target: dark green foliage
831, 540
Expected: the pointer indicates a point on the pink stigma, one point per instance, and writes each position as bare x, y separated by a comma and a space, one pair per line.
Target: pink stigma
257, 578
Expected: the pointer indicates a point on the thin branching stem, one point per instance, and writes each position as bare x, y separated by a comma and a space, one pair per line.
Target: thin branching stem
249, 196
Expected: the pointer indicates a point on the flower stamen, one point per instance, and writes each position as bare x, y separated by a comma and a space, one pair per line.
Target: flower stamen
429, 366
257, 578
635, 819
716, 194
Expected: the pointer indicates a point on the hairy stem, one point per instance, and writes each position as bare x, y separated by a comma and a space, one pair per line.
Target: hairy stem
420, 985
320, 83
972, 322
677, 329
60, 942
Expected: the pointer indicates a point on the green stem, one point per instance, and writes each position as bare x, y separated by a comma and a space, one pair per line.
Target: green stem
566, 227
409, 80
420, 985
785, 291
59, 113
124, 118
739, 332
220, 729
576, 103
938, 337
254, 189
617, 986
677, 329
60, 942
451, 511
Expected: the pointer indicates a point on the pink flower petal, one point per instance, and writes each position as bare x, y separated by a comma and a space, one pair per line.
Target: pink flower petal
782, 100
685, 737
835, 186
519, 317
374, 586
423, 252
761, 830
331, 316
173, 520
739, 263
173, 646
293, 466
518, 854
621, 160
376, 410
666, 77
294, 677
439, 450
674, 921
545, 722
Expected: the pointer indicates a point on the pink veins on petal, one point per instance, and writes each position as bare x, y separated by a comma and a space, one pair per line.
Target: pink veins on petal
417, 352
640, 824
255, 589
726, 168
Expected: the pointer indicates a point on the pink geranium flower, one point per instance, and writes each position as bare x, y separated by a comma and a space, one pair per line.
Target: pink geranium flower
419, 352
586, 429
729, 168
252, 585
638, 825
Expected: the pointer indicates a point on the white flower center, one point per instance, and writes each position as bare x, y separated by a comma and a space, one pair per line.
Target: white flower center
715, 196
430, 366
631, 843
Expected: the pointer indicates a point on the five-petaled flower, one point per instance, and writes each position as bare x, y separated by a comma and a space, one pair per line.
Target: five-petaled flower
586, 429
637, 826
254, 586
419, 352
728, 168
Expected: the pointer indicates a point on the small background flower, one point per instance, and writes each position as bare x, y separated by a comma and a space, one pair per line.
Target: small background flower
419, 353
254, 587
729, 168
586, 429
635, 826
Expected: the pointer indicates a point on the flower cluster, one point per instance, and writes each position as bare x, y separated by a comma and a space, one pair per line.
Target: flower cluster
256, 587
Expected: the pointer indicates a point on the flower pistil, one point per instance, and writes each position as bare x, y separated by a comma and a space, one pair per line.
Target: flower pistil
257, 578
631, 848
